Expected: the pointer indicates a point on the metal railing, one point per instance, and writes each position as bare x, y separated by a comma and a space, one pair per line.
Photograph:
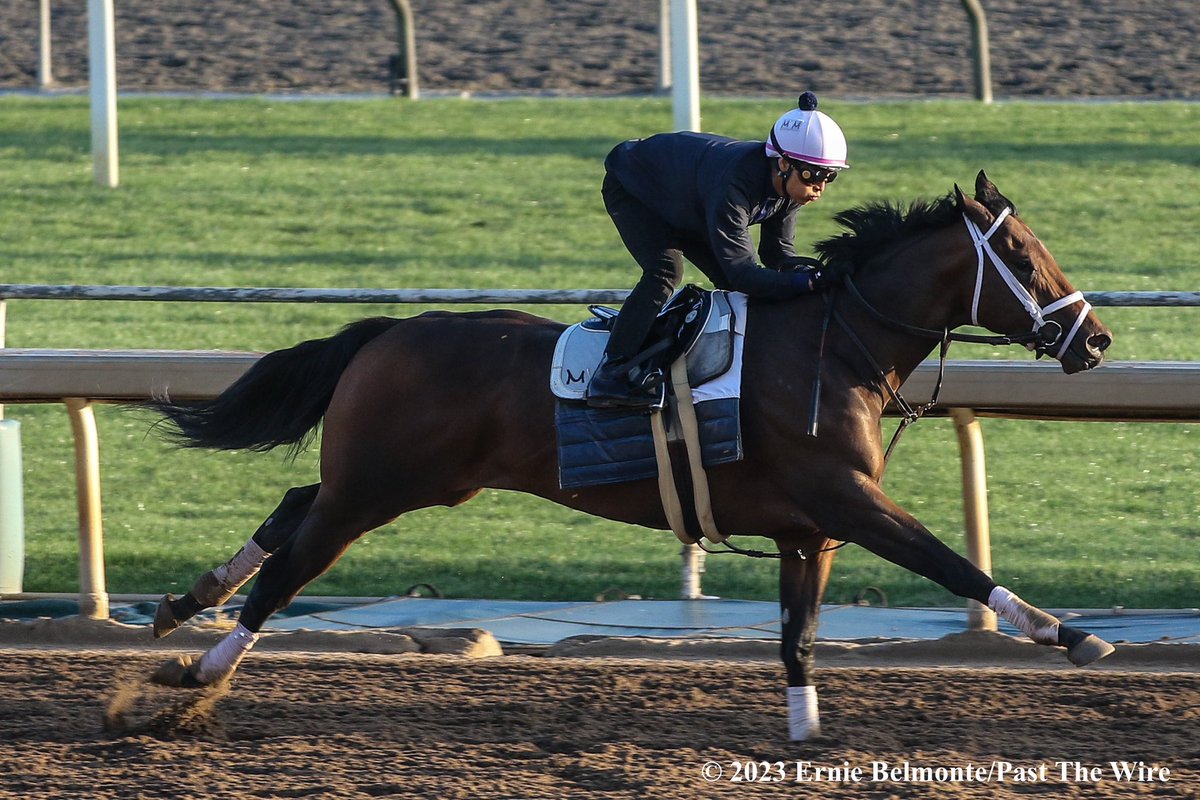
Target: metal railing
204, 294
94, 599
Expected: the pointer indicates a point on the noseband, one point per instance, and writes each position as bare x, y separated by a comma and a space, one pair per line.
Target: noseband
1044, 339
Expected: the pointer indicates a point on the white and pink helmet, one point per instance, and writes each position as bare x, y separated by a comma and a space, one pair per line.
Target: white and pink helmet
805, 134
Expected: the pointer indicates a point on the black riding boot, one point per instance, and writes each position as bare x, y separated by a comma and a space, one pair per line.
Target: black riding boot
617, 381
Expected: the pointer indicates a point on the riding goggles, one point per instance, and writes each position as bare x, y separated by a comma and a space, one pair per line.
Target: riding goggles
814, 175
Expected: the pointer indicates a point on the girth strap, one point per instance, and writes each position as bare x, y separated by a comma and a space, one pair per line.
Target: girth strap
690, 429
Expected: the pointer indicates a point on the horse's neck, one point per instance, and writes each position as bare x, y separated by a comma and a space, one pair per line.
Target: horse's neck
919, 287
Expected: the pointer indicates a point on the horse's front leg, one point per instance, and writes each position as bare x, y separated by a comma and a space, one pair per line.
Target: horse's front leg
215, 587
863, 514
801, 587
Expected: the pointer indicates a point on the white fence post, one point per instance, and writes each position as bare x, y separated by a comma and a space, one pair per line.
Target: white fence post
12, 509
102, 80
45, 65
685, 61
664, 45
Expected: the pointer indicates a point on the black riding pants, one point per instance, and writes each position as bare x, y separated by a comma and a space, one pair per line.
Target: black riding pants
659, 249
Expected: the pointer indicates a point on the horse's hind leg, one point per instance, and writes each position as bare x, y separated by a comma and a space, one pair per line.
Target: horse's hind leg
215, 587
801, 586
328, 529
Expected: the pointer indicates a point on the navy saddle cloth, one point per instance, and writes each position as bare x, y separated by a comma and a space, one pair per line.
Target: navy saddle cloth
598, 446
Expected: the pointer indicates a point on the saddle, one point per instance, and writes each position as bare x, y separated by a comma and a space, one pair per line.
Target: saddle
694, 323
696, 342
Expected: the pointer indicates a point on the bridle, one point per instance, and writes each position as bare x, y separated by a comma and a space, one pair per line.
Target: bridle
1045, 334
1036, 312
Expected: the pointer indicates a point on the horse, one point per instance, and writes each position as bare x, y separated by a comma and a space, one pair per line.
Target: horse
402, 431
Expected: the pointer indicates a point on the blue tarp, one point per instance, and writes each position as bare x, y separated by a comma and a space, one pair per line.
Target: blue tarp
541, 623
520, 622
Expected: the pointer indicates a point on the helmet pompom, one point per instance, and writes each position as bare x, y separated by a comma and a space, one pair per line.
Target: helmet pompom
807, 102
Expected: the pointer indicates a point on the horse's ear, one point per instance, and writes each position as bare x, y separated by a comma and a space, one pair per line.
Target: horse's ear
971, 207
989, 196
960, 199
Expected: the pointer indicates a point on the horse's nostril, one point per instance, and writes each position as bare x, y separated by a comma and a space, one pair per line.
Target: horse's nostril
1099, 342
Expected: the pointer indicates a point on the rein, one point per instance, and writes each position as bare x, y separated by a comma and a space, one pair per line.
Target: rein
909, 415
732, 548
1034, 338
1045, 335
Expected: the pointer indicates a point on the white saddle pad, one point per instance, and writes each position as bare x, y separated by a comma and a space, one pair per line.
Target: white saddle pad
581, 347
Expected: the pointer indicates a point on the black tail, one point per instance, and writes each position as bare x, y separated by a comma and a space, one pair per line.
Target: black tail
280, 400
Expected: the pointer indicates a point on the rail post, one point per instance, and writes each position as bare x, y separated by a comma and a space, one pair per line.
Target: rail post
981, 55
685, 66
404, 63
664, 46
45, 71
975, 509
93, 594
12, 509
102, 80
692, 571
3, 326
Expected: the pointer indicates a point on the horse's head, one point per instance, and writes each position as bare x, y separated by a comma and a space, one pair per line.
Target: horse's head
1019, 288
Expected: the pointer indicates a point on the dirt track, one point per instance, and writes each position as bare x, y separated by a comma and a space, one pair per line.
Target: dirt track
363, 726
1129, 48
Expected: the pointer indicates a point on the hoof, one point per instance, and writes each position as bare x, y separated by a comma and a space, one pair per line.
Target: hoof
1090, 648
165, 620
178, 672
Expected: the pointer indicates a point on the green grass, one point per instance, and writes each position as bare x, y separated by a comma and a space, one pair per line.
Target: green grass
451, 193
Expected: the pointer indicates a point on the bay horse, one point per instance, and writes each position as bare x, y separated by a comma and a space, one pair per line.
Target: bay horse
403, 430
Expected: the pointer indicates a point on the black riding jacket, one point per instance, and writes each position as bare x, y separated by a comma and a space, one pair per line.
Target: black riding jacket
714, 188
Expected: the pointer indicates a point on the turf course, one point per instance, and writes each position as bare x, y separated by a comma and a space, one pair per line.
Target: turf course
454, 193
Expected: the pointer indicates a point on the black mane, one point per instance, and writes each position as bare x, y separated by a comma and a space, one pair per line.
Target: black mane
876, 226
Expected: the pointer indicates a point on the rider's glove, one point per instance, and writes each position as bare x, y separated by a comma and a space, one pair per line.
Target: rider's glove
813, 279
809, 274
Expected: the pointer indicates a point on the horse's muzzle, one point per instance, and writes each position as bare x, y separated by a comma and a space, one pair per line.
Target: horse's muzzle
1085, 354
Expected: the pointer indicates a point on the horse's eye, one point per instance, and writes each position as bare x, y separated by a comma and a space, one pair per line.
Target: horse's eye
1020, 260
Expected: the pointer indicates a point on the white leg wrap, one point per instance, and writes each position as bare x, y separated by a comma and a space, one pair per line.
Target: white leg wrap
244, 565
222, 660
804, 722
1033, 622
